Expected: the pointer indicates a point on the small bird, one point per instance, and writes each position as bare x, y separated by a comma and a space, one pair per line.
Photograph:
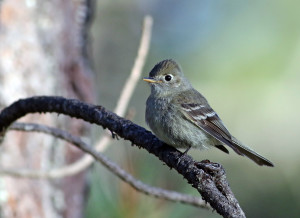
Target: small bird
181, 117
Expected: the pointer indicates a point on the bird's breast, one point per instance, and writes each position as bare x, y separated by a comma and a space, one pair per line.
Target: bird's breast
170, 126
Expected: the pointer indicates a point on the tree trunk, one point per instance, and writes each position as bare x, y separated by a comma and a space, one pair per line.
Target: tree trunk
43, 50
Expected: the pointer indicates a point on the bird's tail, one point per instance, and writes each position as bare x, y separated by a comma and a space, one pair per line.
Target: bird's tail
243, 150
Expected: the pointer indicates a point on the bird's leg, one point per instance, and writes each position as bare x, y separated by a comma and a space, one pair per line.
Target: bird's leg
183, 154
186, 151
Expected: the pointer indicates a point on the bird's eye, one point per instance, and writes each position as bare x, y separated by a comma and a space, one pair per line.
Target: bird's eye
168, 77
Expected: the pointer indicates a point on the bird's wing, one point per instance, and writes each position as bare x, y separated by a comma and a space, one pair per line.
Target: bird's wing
204, 117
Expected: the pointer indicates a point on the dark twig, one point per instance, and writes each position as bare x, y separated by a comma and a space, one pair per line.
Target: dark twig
198, 178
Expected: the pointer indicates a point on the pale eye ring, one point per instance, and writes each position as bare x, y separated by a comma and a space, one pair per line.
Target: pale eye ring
168, 77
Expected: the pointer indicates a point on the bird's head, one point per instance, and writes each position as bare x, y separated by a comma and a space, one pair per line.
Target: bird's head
167, 78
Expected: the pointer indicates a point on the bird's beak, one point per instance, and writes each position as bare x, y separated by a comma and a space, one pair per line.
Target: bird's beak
150, 80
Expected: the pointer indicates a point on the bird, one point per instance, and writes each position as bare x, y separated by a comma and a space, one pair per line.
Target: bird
181, 117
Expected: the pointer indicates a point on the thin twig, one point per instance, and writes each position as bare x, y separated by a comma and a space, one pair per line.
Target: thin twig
137, 68
132, 80
111, 166
126, 93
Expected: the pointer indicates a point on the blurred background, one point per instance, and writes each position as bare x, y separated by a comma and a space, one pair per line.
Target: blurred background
244, 56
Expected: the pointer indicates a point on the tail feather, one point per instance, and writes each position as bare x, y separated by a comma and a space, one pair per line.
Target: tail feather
243, 150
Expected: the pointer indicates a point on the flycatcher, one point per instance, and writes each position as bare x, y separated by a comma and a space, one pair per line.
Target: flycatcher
181, 117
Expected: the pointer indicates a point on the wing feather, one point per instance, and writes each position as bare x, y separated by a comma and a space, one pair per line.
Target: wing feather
204, 117
208, 120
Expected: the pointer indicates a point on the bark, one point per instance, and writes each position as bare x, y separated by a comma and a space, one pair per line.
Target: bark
208, 178
43, 50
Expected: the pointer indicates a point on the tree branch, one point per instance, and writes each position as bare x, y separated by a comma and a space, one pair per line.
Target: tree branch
111, 166
211, 189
